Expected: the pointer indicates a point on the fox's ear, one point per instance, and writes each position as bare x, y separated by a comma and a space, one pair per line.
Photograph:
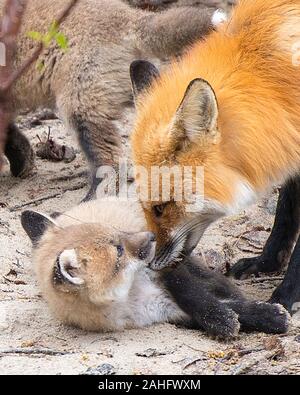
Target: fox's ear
67, 270
142, 75
196, 118
35, 225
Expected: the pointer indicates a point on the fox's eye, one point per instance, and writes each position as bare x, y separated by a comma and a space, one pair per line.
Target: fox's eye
120, 250
159, 210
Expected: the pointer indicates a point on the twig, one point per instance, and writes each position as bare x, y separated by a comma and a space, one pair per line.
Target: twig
248, 351
193, 362
262, 280
35, 202
34, 351
69, 177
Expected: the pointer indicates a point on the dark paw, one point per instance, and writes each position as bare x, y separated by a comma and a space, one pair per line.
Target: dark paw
21, 166
225, 326
248, 266
271, 318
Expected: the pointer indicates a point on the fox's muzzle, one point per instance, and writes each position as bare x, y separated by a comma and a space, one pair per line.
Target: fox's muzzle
183, 242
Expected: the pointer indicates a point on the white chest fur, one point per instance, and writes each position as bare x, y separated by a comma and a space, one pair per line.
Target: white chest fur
147, 304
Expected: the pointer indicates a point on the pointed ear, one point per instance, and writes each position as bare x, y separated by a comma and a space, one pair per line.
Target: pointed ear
35, 225
142, 75
67, 270
196, 118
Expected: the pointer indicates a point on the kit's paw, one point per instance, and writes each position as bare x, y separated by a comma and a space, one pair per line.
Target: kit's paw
225, 326
267, 318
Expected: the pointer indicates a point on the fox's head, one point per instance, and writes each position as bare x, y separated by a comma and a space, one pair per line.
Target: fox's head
85, 267
179, 127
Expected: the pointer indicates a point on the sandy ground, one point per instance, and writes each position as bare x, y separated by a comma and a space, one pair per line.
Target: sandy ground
33, 342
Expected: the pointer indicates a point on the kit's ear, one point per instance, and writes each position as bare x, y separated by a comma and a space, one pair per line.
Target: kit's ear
35, 225
196, 118
142, 75
67, 271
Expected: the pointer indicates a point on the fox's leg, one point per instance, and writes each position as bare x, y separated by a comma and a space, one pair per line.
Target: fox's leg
204, 309
101, 144
92, 98
260, 316
280, 244
254, 316
288, 293
19, 152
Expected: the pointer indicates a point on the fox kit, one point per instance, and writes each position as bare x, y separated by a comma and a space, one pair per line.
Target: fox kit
92, 266
89, 83
231, 105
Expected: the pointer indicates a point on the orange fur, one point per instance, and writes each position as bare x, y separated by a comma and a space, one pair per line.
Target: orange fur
248, 62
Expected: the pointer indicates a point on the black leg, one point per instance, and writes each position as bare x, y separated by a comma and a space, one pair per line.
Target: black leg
204, 294
280, 244
101, 144
260, 317
253, 316
288, 293
19, 152
192, 296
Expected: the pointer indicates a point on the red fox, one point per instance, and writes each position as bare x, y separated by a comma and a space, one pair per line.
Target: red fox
232, 106
92, 264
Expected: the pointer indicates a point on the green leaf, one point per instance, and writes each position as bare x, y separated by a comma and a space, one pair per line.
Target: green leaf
53, 30
62, 41
35, 36
47, 38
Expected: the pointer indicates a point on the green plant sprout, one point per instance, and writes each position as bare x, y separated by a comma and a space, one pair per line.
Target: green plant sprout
53, 34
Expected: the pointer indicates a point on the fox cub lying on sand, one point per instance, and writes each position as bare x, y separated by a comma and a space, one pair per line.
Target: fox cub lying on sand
92, 266
89, 84
232, 107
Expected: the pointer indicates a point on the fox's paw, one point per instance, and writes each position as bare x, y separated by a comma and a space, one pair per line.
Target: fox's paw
225, 326
244, 268
271, 318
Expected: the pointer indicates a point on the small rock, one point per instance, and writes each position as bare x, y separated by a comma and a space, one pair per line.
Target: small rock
103, 370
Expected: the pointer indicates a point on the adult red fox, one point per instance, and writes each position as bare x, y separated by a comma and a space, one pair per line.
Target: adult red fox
232, 106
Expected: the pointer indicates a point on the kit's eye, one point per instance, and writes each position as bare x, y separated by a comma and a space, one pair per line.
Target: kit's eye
159, 210
120, 250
